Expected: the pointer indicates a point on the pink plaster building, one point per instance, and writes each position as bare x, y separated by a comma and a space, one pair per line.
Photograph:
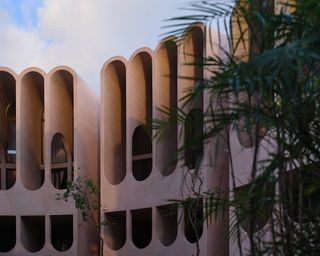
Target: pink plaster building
139, 175
48, 136
53, 129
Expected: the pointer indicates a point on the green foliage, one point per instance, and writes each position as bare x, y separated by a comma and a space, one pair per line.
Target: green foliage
265, 84
84, 192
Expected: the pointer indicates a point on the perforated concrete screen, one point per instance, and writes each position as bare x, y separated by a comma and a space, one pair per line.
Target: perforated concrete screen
55, 131
44, 138
136, 183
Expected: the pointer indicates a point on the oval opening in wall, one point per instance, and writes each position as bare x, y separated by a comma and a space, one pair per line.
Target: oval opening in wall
7, 233
141, 153
61, 232
33, 232
141, 227
114, 118
32, 130
165, 79
167, 223
116, 230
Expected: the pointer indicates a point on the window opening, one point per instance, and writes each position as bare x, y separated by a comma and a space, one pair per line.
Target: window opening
141, 153
7, 233
62, 232
141, 227
167, 223
115, 229
193, 220
193, 138
61, 165
33, 232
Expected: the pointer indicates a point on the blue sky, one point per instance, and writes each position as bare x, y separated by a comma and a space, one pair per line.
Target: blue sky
82, 34
22, 13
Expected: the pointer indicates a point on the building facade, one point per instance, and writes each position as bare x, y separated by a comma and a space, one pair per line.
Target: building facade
49, 128
53, 130
138, 174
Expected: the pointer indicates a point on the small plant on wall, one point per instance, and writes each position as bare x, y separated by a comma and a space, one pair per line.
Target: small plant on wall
84, 193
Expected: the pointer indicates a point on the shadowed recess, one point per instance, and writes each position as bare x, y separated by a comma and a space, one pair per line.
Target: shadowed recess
32, 130
7, 233
166, 93
193, 220
114, 97
61, 232
141, 153
141, 227
167, 223
33, 232
115, 230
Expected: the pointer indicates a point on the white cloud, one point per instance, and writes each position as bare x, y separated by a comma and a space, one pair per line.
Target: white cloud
19, 48
81, 33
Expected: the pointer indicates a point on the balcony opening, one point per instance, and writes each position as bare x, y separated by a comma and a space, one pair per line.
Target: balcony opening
114, 97
193, 220
61, 232
193, 138
115, 230
141, 111
33, 232
61, 164
31, 129
166, 97
141, 227
7, 233
61, 113
141, 153
167, 223
10, 178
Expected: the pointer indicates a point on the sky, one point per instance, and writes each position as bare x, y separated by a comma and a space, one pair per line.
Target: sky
82, 34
